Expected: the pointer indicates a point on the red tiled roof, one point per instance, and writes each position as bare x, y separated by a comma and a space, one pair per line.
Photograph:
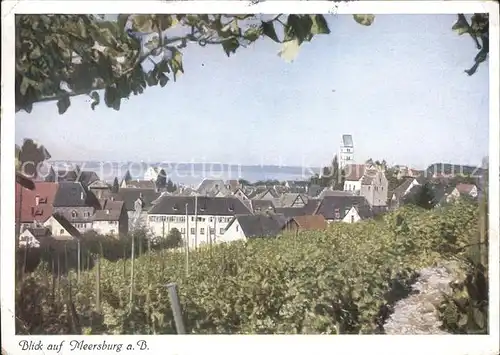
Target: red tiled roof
315, 222
465, 188
354, 172
26, 199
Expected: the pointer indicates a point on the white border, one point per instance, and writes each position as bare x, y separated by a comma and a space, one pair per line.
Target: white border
252, 344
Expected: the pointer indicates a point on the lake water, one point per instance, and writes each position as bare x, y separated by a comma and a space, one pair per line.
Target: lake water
192, 174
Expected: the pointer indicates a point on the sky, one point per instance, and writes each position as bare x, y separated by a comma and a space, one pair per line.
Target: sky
398, 87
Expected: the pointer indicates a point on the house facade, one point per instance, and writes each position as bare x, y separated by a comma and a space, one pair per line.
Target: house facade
401, 191
151, 174
244, 227
76, 204
60, 228
112, 219
201, 220
349, 209
367, 181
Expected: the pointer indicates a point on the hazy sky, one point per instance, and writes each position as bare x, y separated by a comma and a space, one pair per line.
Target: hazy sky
398, 87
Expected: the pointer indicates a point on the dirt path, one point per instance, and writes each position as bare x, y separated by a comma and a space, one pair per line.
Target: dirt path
417, 313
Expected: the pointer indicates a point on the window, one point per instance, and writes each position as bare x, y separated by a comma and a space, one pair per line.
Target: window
212, 230
211, 219
369, 187
112, 231
202, 230
337, 213
61, 232
237, 228
74, 214
183, 230
352, 219
221, 231
192, 219
192, 231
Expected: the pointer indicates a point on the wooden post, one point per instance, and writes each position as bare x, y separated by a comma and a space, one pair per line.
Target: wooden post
98, 283
176, 308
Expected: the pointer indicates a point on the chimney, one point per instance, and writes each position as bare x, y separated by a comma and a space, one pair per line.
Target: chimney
81, 195
107, 211
37, 200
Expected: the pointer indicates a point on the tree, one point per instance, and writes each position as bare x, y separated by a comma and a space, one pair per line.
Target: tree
116, 186
84, 54
423, 197
170, 186
127, 178
174, 239
51, 177
161, 180
29, 157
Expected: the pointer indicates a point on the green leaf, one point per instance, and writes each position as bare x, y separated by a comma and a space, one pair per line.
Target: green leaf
299, 27
479, 318
269, 31
365, 20
319, 25
96, 99
230, 46
290, 50
163, 79
63, 104
461, 26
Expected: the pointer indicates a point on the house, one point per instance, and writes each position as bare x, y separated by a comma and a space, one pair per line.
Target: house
267, 194
348, 209
151, 174
463, 190
213, 188
112, 219
33, 237
244, 227
76, 204
85, 177
346, 153
401, 191
406, 172
302, 223
100, 188
331, 192
308, 209
233, 185
139, 184
60, 228
291, 200
34, 206
314, 190
239, 193
297, 186
130, 196
368, 181
259, 206
201, 219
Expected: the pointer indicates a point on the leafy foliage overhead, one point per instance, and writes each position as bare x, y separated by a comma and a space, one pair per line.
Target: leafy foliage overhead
60, 56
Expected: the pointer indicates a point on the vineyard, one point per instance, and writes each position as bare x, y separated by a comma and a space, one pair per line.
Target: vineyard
343, 280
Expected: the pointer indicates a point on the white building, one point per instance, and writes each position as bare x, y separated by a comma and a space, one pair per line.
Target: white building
200, 219
151, 174
367, 181
346, 154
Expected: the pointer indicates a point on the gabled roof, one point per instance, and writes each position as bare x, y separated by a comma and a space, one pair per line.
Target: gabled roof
343, 204
270, 191
111, 211
26, 200
211, 187
215, 206
130, 195
74, 194
288, 199
141, 184
99, 184
308, 222
261, 225
290, 212
401, 189
314, 190
465, 189
354, 172
262, 205
67, 225
329, 192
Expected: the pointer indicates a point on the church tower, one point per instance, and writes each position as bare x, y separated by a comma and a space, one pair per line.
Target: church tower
346, 155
